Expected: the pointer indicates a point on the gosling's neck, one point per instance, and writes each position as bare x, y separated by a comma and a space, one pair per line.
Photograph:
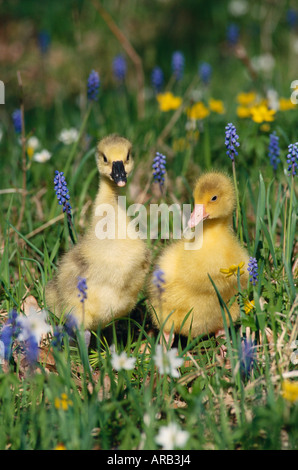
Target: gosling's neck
107, 192
107, 195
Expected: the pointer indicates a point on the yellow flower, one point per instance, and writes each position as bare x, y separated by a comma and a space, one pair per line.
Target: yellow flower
193, 136
167, 101
32, 145
181, 144
197, 111
261, 113
60, 447
63, 402
246, 99
243, 112
233, 269
216, 106
286, 104
265, 127
290, 390
248, 306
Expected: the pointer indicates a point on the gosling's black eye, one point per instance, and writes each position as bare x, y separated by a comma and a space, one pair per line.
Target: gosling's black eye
104, 158
128, 155
214, 198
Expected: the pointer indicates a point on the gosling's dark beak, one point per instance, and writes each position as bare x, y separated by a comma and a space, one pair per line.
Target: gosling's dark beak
118, 173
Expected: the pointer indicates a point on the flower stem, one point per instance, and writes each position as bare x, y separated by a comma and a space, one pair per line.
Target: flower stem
238, 211
289, 228
76, 143
207, 153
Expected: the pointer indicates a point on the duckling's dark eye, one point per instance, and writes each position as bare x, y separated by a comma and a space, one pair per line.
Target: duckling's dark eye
214, 198
128, 155
104, 158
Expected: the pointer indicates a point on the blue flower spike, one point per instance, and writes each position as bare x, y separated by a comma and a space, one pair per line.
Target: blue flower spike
159, 169
231, 141
93, 86
253, 270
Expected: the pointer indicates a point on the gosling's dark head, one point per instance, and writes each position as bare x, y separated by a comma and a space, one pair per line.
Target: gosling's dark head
114, 159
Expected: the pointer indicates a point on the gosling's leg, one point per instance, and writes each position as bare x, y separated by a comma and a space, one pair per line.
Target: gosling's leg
167, 339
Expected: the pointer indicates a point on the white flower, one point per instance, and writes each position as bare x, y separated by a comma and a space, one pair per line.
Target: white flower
294, 44
167, 361
294, 355
68, 136
42, 156
2, 352
273, 99
191, 125
263, 63
121, 361
238, 7
171, 437
34, 324
33, 142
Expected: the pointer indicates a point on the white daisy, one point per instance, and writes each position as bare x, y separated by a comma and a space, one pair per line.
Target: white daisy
294, 355
238, 7
42, 156
171, 437
167, 361
68, 136
33, 142
121, 361
34, 324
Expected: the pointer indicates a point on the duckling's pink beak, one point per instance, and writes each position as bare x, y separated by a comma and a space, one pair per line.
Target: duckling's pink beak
197, 215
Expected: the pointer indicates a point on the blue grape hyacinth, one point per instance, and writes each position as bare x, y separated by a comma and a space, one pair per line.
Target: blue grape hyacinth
231, 141
93, 86
247, 355
292, 158
253, 270
274, 150
44, 40
9, 332
158, 279
60, 187
17, 120
157, 78
82, 288
205, 71
119, 68
233, 34
178, 64
159, 168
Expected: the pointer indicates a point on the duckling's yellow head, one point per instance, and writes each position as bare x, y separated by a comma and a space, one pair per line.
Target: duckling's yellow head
114, 160
214, 198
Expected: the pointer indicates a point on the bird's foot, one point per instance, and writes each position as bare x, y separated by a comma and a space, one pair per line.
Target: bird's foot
167, 339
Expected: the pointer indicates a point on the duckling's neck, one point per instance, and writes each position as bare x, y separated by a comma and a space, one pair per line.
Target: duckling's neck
217, 224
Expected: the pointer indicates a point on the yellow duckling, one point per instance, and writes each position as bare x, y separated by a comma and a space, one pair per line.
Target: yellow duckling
187, 263
114, 265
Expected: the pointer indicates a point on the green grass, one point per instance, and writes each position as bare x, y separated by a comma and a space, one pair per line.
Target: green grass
215, 400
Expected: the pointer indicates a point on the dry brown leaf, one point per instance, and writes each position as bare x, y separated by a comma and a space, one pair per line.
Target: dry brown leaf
29, 302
